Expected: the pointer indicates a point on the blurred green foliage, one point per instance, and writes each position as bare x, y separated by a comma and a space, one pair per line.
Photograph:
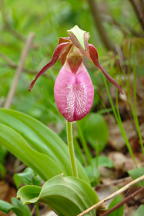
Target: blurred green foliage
26, 177
15, 206
118, 211
95, 131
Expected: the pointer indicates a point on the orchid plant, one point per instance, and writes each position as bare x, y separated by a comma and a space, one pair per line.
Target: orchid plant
73, 90
67, 189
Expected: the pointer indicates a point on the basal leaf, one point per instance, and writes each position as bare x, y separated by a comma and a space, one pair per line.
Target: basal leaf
67, 196
16, 144
37, 138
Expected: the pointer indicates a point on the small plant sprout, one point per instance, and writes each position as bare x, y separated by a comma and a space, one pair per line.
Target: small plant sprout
73, 90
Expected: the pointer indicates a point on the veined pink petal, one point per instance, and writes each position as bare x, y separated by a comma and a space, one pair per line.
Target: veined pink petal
73, 92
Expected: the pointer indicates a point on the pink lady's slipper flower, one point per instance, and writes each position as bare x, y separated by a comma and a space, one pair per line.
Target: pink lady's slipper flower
73, 90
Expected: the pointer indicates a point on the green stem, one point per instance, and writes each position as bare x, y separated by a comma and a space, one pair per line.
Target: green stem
71, 148
37, 210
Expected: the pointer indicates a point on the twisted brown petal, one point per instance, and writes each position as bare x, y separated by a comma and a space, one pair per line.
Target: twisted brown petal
55, 57
94, 57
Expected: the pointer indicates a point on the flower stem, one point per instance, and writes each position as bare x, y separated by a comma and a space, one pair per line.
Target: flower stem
71, 148
37, 210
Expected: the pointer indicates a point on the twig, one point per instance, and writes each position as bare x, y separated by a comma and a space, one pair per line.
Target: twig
16, 78
95, 206
123, 201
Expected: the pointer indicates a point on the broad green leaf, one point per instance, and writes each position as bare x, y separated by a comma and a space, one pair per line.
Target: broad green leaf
16, 144
67, 196
35, 137
38, 135
135, 173
139, 211
28, 177
118, 211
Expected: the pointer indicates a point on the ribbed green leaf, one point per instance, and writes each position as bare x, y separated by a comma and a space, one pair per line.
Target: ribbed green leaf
31, 141
16, 144
67, 196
